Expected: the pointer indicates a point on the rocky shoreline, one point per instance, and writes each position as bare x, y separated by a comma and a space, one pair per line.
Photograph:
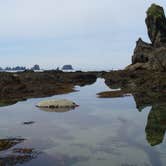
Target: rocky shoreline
145, 78
23, 85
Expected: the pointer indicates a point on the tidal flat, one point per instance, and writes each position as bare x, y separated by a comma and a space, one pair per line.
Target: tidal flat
101, 131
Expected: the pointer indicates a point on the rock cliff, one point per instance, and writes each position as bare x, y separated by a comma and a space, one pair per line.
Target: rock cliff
152, 56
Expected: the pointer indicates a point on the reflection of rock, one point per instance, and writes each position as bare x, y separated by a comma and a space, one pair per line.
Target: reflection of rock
156, 125
56, 109
17, 155
148, 89
10, 142
113, 94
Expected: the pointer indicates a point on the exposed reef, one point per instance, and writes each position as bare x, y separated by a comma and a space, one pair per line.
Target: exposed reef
23, 85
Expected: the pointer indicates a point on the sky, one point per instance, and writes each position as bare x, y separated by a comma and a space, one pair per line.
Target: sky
89, 34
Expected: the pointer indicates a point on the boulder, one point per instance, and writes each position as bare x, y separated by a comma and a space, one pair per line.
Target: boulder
61, 103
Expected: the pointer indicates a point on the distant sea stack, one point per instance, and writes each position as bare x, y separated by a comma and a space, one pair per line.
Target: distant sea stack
35, 67
152, 56
67, 67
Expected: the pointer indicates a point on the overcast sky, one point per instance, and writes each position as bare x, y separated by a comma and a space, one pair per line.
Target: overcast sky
93, 34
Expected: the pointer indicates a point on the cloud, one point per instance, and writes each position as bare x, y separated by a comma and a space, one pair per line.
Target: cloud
81, 29
29, 18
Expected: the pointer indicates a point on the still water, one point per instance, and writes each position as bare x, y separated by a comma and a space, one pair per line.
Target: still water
101, 132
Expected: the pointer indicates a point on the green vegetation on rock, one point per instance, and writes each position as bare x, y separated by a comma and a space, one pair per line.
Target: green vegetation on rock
156, 10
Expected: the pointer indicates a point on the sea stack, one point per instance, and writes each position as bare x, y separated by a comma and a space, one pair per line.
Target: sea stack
152, 56
67, 67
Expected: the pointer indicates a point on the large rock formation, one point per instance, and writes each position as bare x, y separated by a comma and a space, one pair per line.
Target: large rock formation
156, 24
152, 56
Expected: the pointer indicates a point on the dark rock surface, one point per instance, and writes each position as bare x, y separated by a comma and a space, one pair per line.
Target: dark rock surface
35, 67
67, 67
156, 25
23, 85
152, 56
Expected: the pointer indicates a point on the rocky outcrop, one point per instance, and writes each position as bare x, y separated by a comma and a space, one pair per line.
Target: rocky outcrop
23, 85
152, 56
156, 25
67, 67
141, 52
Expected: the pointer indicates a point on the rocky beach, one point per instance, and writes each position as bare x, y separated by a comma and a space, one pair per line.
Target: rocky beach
144, 80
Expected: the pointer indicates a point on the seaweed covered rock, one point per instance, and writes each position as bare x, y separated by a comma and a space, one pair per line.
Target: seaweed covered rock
156, 25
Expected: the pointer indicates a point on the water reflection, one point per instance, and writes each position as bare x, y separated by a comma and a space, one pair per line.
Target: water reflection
10, 156
156, 124
20, 156
9, 142
156, 121
66, 109
100, 132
